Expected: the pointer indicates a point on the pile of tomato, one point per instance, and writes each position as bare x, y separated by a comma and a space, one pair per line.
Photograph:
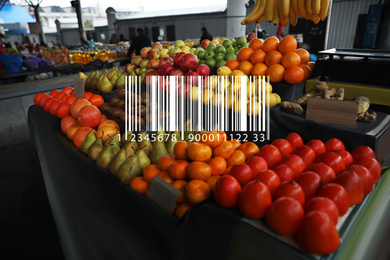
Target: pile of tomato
300, 190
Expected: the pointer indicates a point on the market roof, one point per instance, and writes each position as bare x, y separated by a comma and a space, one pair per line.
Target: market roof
14, 14
183, 11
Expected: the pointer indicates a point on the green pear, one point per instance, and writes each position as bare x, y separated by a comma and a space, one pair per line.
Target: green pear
88, 80
95, 149
120, 82
114, 78
173, 139
160, 135
107, 154
158, 151
115, 138
117, 162
99, 81
143, 159
92, 83
88, 141
105, 71
114, 69
146, 145
129, 169
106, 86
127, 137
130, 148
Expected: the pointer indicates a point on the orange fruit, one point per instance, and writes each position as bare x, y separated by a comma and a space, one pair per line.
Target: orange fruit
294, 75
106, 132
237, 157
246, 67
211, 138
311, 64
255, 44
273, 57
218, 165
72, 130
69, 90
244, 54
150, 171
89, 116
275, 72
235, 143
180, 150
199, 171
306, 70
223, 135
181, 209
108, 122
96, 100
232, 64
199, 152
77, 105
304, 55
269, 44
66, 122
258, 56
212, 181
104, 118
80, 134
180, 185
224, 150
165, 176
259, 69
290, 59
178, 169
197, 191
227, 170
139, 184
249, 149
165, 161
287, 44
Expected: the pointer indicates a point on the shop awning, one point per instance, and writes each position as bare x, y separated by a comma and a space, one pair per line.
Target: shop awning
14, 14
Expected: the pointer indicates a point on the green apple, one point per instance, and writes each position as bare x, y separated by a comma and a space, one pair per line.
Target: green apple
230, 49
164, 53
178, 43
241, 40
185, 48
219, 56
201, 54
209, 54
202, 61
220, 49
226, 43
172, 52
245, 44
193, 50
211, 62
236, 49
211, 47
198, 50
220, 63
233, 41
230, 56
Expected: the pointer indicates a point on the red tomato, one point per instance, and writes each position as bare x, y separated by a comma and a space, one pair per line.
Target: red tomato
338, 194
310, 182
257, 164
271, 155
283, 145
307, 154
290, 189
295, 163
318, 234
325, 205
243, 173
47, 103
352, 184
254, 199
227, 191
43, 99
333, 160
333, 144
269, 178
373, 166
295, 140
347, 157
38, 96
63, 110
284, 216
362, 151
53, 107
54, 93
317, 145
284, 172
324, 171
364, 175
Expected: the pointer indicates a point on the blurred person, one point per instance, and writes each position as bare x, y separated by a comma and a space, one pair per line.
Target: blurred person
140, 41
205, 34
122, 38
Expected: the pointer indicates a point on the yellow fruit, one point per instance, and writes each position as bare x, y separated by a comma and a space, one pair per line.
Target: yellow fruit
273, 100
207, 96
253, 108
236, 74
194, 93
211, 82
224, 71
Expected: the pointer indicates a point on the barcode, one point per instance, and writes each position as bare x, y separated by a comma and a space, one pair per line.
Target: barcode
179, 103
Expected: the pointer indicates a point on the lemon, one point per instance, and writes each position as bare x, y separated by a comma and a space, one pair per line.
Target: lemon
194, 93
224, 71
237, 75
217, 99
211, 82
253, 108
274, 99
207, 95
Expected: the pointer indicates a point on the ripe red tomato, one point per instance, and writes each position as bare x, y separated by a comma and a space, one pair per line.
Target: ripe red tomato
337, 194
53, 107
227, 191
364, 175
257, 164
325, 205
54, 93
243, 173
310, 182
347, 157
43, 99
284, 172
373, 166
269, 178
317, 145
295, 140
307, 154
352, 184
284, 216
38, 96
295, 163
271, 155
318, 234
324, 171
63, 110
254, 199
47, 103
362, 151
290, 189
333, 160
283, 145
333, 144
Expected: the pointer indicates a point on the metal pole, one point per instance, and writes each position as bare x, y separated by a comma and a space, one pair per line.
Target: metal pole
76, 5
328, 25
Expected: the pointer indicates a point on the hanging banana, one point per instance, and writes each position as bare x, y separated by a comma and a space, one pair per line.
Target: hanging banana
256, 13
292, 16
269, 10
301, 8
284, 7
316, 6
276, 16
324, 9
308, 7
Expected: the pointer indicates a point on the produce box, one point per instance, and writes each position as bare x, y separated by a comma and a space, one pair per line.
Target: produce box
58, 57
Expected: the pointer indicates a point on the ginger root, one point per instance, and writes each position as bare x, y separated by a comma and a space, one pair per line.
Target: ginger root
293, 107
367, 117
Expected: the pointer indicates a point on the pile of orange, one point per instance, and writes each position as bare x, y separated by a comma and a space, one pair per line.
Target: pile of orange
280, 60
195, 167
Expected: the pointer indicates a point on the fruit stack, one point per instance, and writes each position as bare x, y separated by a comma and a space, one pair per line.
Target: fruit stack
107, 81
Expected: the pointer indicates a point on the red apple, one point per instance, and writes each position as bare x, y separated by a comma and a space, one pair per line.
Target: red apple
177, 58
183, 90
153, 64
205, 42
152, 76
192, 77
177, 72
166, 60
154, 54
144, 52
203, 70
157, 45
166, 69
243, 173
250, 37
189, 62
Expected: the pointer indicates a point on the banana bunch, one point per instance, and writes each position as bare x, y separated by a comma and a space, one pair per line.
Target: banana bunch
283, 11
